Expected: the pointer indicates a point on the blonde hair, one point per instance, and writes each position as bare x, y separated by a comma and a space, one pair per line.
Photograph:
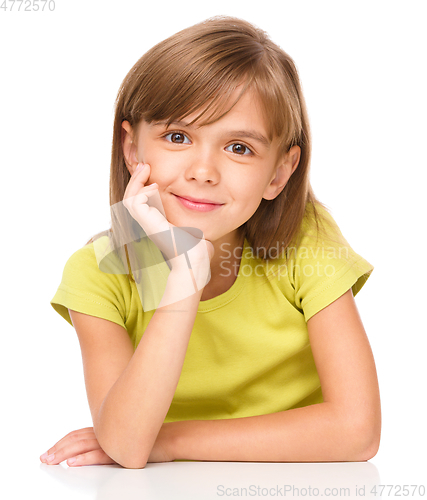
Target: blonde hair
199, 68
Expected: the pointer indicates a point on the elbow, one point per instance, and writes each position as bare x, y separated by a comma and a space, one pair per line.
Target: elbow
132, 464
124, 458
370, 451
123, 455
371, 445
365, 437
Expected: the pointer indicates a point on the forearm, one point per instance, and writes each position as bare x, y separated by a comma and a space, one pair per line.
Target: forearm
133, 411
315, 433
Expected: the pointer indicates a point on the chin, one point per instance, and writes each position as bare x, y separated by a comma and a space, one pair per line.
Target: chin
207, 234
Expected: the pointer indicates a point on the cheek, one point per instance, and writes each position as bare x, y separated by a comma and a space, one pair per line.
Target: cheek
148, 152
250, 191
251, 199
164, 167
157, 172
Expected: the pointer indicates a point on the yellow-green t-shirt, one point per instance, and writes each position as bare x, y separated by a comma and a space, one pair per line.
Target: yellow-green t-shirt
249, 351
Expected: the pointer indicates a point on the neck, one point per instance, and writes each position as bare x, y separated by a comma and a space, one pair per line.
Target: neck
226, 260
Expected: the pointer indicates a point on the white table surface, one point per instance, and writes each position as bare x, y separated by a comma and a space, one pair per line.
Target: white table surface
208, 480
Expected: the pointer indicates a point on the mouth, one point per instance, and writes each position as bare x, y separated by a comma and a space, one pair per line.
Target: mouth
198, 205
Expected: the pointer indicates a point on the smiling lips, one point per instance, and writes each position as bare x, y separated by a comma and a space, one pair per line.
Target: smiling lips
202, 205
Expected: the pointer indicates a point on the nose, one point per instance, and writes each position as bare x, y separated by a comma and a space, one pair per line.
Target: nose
204, 168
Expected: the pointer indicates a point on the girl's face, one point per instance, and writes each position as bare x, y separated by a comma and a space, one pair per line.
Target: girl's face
229, 162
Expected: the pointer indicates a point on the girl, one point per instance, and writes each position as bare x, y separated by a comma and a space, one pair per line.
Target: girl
256, 351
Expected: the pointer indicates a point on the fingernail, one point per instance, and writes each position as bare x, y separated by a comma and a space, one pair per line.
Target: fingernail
50, 458
72, 460
140, 167
44, 456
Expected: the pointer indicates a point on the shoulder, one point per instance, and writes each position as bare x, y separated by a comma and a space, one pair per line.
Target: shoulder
94, 260
321, 265
98, 265
318, 225
89, 287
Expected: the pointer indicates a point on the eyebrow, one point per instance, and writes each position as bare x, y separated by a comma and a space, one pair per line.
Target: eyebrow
250, 134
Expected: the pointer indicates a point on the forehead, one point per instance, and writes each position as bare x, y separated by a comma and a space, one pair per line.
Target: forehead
245, 109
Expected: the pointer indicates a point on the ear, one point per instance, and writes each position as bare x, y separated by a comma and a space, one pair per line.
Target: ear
129, 147
282, 173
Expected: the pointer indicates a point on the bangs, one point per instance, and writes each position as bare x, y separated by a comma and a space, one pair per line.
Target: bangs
212, 108
201, 73
280, 105
199, 70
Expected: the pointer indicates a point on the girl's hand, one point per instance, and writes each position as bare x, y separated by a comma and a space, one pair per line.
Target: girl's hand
80, 445
83, 446
158, 228
148, 217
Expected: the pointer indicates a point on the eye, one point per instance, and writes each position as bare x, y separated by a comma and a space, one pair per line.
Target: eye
177, 138
239, 149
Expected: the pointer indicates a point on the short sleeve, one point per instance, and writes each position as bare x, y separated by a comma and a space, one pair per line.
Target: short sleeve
325, 267
85, 288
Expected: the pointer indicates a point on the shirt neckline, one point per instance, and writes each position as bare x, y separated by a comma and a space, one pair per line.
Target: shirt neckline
230, 294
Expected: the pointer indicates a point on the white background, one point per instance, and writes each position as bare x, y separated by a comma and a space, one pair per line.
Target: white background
362, 67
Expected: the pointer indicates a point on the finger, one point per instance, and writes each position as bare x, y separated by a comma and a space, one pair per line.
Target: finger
150, 190
95, 457
73, 436
150, 219
72, 449
141, 167
136, 198
138, 179
138, 203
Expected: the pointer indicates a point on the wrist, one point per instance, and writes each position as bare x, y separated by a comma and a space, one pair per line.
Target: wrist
180, 293
169, 439
185, 278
